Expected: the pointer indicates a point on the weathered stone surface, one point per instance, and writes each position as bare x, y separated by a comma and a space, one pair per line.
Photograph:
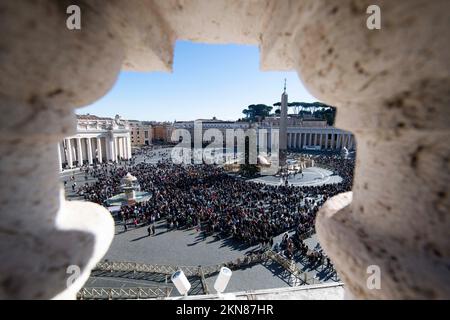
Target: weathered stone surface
392, 90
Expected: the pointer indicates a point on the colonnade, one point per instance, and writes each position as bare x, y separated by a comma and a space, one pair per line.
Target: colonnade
321, 139
79, 150
318, 139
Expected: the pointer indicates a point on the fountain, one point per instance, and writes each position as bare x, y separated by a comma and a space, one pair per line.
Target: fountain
131, 194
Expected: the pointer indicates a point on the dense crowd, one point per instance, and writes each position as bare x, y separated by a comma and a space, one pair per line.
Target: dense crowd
207, 198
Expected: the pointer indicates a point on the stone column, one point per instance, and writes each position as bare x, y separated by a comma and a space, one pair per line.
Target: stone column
392, 89
79, 153
121, 147
117, 152
69, 153
304, 140
118, 148
59, 156
350, 142
99, 150
129, 147
120, 142
295, 140
89, 150
44, 239
111, 148
125, 147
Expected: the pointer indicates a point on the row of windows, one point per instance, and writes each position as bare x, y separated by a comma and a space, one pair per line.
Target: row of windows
137, 133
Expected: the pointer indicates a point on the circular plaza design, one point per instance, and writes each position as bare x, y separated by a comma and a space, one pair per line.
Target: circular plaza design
312, 176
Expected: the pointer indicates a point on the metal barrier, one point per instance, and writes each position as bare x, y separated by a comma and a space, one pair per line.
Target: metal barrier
124, 293
153, 268
291, 267
198, 271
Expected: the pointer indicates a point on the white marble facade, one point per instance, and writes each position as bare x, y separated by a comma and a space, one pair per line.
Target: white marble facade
97, 140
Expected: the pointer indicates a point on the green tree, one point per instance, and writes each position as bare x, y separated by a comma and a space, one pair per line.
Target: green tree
256, 112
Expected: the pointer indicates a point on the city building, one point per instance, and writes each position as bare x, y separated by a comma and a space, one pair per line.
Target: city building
97, 140
162, 132
329, 138
311, 135
302, 134
141, 132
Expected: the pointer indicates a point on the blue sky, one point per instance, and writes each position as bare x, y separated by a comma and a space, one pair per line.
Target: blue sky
207, 80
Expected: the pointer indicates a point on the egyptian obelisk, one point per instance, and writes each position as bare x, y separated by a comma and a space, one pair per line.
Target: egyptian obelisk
283, 128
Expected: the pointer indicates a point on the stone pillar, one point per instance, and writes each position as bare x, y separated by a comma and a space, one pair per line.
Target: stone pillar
79, 152
344, 140
69, 153
43, 237
391, 89
310, 139
120, 142
320, 140
117, 153
350, 143
59, 157
295, 140
116, 148
111, 148
122, 149
89, 150
129, 147
99, 150
125, 147
347, 141
304, 141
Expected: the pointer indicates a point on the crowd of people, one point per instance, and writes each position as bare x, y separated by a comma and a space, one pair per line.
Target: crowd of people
209, 199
